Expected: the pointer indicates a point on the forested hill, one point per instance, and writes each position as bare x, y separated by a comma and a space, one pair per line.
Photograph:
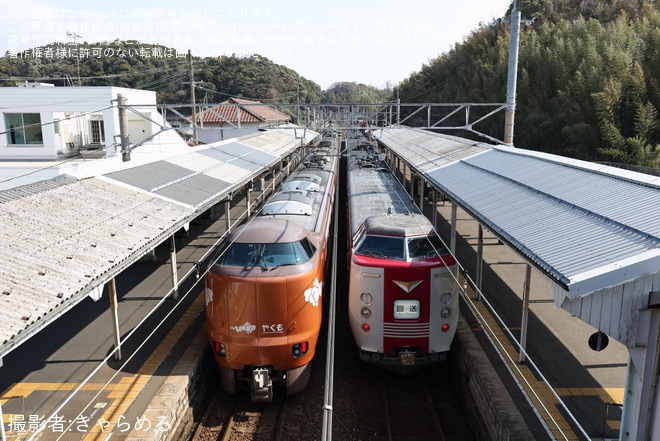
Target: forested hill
146, 66
588, 78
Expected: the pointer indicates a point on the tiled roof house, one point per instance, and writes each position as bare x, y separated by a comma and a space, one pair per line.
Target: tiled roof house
240, 112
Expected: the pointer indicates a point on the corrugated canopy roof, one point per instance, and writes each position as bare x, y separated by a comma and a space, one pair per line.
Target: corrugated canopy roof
65, 238
587, 226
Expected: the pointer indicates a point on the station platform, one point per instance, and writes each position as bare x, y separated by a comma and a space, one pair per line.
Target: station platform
564, 379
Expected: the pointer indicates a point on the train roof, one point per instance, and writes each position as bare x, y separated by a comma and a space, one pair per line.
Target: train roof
303, 182
398, 225
268, 230
290, 202
374, 191
302, 197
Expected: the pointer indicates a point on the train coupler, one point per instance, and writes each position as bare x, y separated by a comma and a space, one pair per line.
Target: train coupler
407, 358
262, 385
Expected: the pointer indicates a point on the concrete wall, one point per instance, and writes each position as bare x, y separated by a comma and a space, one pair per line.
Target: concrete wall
498, 415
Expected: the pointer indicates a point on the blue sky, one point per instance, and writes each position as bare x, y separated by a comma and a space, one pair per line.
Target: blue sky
376, 43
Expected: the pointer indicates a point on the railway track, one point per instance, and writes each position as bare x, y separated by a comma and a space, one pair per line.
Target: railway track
409, 411
236, 418
422, 406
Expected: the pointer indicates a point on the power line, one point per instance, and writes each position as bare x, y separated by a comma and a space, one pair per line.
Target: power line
169, 79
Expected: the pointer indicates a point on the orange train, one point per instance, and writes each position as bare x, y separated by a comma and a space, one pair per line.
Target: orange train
264, 292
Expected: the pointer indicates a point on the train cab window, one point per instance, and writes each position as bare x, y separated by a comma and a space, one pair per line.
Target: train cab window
266, 255
427, 246
233, 254
309, 248
390, 247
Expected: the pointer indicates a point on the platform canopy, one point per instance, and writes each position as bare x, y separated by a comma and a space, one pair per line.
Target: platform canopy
585, 225
63, 239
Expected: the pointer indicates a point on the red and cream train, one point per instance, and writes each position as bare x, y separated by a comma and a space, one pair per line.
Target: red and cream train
403, 295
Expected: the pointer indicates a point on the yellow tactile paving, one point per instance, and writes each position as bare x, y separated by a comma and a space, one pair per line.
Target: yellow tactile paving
613, 395
24, 389
539, 392
122, 393
134, 385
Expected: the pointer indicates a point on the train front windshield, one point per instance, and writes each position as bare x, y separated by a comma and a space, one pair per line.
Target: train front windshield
427, 246
390, 247
398, 248
266, 255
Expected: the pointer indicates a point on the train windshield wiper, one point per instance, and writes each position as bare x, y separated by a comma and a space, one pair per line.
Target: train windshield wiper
252, 262
260, 257
282, 264
257, 258
370, 253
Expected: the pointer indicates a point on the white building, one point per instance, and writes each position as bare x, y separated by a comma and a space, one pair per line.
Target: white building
46, 131
43, 122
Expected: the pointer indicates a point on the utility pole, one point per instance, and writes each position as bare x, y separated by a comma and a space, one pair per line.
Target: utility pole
398, 107
298, 103
512, 76
192, 98
123, 128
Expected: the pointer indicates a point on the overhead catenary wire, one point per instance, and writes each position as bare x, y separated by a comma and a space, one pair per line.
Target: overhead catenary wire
164, 81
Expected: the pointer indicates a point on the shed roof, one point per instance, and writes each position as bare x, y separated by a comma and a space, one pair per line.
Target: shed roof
54, 257
587, 226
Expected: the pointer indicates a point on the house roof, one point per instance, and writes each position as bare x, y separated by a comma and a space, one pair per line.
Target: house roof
250, 112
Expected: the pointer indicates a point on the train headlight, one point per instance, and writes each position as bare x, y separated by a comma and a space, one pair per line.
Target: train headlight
366, 298
445, 313
220, 349
366, 327
445, 327
299, 349
366, 313
445, 298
